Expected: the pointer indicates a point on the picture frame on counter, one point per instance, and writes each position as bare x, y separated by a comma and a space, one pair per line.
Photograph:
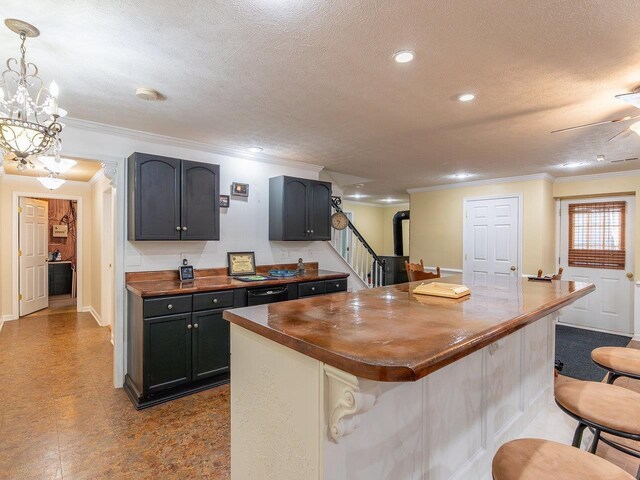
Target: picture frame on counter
241, 263
224, 201
240, 189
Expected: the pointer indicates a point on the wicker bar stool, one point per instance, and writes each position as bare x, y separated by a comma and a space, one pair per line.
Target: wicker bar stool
603, 408
618, 361
535, 459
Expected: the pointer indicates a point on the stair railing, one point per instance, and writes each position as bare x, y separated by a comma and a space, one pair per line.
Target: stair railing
354, 249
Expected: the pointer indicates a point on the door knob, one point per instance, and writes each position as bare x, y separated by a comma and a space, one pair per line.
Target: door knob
629, 275
513, 268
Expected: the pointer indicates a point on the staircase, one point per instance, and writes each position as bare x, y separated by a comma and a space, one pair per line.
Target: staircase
355, 250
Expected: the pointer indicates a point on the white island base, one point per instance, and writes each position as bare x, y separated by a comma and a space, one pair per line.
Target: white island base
295, 418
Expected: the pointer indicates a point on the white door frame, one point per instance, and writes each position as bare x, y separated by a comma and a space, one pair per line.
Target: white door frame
107, 313
14, 246
518, 196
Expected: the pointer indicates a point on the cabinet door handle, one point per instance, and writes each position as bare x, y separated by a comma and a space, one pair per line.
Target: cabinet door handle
184, 229
178, 229
169, 307
337, 285
195, 325
189, 326
313, 289
311, 231
215, 300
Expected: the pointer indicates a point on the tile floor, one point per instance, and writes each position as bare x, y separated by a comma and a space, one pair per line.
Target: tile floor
60, 416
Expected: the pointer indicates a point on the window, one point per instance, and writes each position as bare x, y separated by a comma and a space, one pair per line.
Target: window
596, 235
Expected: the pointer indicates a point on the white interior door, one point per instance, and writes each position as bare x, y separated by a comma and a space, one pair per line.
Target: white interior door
33, 244
610, 307
491, 239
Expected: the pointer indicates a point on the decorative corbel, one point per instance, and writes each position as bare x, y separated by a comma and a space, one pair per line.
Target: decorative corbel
110, 170
349, 397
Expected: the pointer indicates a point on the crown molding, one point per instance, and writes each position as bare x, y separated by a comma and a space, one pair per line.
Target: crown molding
489, 181
90, 126
377, 205
597, 176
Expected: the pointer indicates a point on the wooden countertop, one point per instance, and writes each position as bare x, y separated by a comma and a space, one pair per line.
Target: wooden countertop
390, 334
157, 286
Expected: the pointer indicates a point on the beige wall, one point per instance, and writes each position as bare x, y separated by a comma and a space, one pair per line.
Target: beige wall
436, 223
375, 223
616, 185
12, 183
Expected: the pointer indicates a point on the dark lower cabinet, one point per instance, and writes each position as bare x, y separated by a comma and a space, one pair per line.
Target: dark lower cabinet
172, 350
179, 344
60, 278
210, 337
168, 354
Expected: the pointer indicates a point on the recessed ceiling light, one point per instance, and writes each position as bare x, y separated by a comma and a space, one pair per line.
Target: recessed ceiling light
572, 164
404, 56
600, 158
254, 149
357, 196
466, 97
461, 175
389, 200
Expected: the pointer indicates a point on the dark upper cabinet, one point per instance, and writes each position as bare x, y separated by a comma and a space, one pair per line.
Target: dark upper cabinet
167, 361
299, 209
200, 201
210, 337
172, 199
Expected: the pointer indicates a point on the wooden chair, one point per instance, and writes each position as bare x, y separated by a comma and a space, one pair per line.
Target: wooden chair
416, 272
556, 276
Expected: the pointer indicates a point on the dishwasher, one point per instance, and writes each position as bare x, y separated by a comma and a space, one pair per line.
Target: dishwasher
261, 296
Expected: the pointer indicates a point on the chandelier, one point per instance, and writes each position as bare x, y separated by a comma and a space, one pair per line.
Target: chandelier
29, 111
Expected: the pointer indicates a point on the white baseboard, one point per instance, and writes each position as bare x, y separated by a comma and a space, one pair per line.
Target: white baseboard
443, 270
600, 330
1, 324
94, 314
8, 318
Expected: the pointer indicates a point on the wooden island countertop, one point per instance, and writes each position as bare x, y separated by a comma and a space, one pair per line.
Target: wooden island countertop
390, 334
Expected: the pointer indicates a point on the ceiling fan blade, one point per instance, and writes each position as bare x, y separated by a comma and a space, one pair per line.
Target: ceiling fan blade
620, 134
630, 98
615, 120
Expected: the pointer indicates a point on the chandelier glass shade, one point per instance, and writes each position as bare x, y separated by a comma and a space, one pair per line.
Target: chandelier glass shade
29, 111
51, 182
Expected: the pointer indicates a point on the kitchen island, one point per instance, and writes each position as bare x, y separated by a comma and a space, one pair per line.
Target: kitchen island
384, 383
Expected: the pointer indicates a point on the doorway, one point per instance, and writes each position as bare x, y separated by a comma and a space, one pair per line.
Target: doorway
492, 239
596, 246
47, 254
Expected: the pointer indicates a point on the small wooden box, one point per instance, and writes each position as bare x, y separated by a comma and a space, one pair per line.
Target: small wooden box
446, 290
60, 231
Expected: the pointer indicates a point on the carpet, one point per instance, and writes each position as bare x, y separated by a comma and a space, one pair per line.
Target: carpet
573, 348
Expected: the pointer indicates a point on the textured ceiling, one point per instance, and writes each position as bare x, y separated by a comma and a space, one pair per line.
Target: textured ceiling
314, 81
